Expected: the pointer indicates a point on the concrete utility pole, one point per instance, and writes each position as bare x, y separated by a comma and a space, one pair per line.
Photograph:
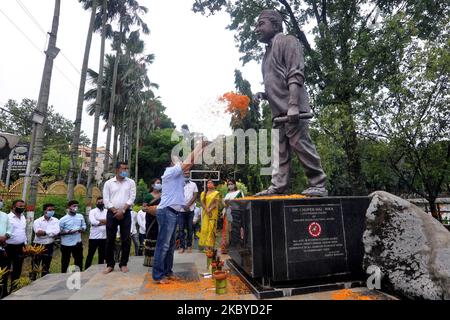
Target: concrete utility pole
42, 106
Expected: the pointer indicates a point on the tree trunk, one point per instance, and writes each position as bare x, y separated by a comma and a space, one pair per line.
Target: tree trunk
111, 104
354, 164
122, 139
353, 156
116, 141
434, 209
79, 115
138, 137
42, 105
130, 137
98, 104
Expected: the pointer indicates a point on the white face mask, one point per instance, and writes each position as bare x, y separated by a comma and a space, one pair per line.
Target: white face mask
73, 210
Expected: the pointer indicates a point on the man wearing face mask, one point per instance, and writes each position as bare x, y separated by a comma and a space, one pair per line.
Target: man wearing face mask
119, 194
186, 216
5, 233
72, 225
97, 236
18, 239
172, 201
46, 228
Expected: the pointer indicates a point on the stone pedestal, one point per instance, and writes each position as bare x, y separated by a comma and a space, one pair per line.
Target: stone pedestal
298, 243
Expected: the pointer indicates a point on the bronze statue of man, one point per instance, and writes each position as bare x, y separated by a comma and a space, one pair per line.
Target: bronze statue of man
283, 74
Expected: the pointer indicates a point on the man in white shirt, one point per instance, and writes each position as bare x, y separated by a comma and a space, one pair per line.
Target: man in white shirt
97, 235
186, 216
17, 240
45, 228
5, 233
119, 194
141, 224
197, 221
134, 232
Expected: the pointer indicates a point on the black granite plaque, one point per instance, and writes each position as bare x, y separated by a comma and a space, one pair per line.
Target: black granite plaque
314, 232
302, 241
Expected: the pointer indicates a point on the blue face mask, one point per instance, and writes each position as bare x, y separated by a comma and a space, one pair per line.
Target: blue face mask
1, 204
50, 214
124, 174
157, 186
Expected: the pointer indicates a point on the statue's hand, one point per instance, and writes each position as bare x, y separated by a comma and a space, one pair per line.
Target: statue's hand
293, 114
257, 97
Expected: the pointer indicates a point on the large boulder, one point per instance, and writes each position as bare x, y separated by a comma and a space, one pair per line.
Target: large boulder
411, 248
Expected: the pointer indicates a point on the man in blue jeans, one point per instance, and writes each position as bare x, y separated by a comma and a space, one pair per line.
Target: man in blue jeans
172, 201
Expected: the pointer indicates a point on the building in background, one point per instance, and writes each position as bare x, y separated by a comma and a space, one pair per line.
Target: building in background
85, 153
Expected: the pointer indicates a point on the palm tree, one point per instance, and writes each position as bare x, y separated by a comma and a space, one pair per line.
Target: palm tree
128, 15
146, 116
79, 114
133, 94
98, 103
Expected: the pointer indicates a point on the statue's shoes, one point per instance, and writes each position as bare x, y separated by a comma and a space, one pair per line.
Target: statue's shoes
268, 192
315, 192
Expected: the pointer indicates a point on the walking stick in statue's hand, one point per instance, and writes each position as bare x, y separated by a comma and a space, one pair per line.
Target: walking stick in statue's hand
301, 116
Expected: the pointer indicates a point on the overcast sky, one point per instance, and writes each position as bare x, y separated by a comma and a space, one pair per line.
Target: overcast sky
195, 59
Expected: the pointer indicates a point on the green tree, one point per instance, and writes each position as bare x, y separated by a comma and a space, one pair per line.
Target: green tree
57, 134
353, 51
412, 114
155, 153
53, 165
58, 130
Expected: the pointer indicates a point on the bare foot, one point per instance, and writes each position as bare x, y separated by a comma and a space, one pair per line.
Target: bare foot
124, 269
162, 281
108, 270
173, 277
181, 251
189, 250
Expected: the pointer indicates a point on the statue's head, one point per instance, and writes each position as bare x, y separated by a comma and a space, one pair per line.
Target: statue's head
269, 24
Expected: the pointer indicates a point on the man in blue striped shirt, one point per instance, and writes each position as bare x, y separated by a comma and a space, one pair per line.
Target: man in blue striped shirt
72, 225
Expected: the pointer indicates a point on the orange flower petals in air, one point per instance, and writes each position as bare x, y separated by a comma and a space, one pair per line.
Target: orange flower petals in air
237, 103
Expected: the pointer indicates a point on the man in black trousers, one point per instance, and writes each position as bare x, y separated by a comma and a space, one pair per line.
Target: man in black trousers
17, 241
119, 194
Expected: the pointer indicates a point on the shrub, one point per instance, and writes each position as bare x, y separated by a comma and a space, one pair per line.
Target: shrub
60, 203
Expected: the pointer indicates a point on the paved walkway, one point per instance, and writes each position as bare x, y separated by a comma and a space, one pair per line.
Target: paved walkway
137, 285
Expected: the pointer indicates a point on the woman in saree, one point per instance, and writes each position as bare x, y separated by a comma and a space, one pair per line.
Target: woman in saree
210, 214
